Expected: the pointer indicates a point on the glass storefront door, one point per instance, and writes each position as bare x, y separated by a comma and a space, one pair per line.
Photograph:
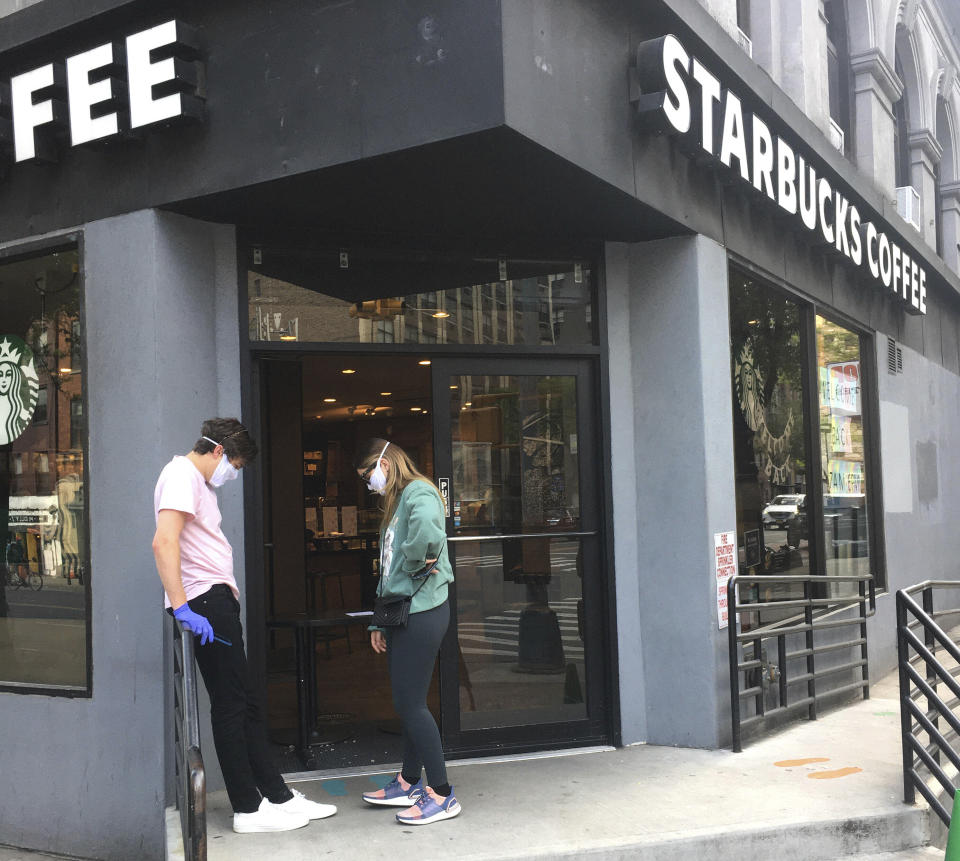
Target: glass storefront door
515, 460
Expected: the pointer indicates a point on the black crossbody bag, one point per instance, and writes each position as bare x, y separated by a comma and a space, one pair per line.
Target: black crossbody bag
394, 614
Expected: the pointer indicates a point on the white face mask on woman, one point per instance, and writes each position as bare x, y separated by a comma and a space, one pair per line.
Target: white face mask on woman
378, 479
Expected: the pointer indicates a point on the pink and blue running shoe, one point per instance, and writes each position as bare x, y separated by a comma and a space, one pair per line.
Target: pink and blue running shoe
430, 807
394, 795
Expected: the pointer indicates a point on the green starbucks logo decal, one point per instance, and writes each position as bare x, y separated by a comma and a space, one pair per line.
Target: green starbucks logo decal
773, 452
19, 388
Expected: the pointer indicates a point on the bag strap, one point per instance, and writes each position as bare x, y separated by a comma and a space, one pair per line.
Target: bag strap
433, 568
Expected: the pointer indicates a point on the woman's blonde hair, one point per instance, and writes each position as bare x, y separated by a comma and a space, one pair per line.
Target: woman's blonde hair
402, 472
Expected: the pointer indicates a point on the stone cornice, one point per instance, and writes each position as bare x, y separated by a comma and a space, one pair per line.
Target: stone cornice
924, 141
950, 193
876, 65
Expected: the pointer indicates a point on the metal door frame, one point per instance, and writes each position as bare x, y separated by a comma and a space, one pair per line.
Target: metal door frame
597, 726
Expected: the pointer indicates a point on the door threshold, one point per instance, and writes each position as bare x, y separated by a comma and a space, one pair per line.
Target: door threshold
394, 767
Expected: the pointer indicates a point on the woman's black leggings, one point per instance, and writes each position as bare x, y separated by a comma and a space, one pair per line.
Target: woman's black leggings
411, 655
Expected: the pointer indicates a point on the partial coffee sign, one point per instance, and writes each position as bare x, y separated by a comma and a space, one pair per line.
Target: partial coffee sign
19, 388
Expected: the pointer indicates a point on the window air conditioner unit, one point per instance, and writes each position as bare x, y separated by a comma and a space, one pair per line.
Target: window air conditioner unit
743, 40
908, 205
836, 136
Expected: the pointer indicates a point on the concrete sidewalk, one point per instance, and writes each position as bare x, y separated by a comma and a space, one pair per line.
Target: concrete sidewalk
817, 790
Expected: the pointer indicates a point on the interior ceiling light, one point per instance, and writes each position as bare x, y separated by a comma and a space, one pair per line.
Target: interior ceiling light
385, 394
66, 370
424, 362
468, 404
415, 409
454, 387
349, 371
329, 400
439, 315
286, 336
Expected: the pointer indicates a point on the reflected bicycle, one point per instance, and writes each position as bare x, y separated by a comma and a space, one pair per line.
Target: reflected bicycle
33, 579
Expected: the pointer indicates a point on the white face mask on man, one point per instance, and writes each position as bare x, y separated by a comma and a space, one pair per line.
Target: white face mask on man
225, 470
378, 478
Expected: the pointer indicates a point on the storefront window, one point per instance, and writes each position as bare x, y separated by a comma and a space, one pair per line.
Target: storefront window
844, 473
769, 445
393, 298
43, 593
776, 481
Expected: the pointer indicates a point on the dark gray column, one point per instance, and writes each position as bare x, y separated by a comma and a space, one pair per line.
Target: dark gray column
675, 487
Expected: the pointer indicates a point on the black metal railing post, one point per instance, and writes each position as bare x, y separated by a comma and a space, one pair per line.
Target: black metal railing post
862, 591
190, 774
811, 658
909, 794
931, 643
734, 662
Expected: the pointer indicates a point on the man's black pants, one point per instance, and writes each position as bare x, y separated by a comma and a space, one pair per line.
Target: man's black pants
239, 730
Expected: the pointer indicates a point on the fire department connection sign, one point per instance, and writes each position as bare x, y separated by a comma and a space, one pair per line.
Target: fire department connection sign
725, 554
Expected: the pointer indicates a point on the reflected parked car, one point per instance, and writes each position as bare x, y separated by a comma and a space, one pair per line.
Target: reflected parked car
777, 514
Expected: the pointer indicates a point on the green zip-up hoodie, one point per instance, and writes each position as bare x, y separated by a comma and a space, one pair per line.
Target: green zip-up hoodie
416, 532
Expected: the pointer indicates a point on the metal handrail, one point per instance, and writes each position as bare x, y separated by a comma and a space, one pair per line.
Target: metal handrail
813, 611
190, 775
927, 719
500, 536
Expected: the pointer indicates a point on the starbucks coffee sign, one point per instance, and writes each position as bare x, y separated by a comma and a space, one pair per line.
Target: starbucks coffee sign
19, 388
677, 94
116, 88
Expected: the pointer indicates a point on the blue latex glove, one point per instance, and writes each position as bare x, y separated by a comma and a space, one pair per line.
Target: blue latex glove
194, 622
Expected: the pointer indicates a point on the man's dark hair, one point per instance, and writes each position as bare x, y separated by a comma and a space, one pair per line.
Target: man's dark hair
233, 436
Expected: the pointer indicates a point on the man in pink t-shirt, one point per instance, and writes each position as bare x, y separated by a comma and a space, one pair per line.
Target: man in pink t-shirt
195, 563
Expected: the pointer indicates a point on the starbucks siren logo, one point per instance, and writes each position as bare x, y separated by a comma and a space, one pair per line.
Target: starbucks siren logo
773, 452
19, 388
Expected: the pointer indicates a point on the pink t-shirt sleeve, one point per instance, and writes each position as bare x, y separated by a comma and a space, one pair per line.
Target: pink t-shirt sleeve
176, 491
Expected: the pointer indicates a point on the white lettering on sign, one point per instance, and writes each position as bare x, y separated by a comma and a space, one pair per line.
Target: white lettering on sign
30, 113
84, 94
146, 74
725, 549
665, 74
91, 95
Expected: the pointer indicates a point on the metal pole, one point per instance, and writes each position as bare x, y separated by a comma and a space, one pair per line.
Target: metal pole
903, 657
931, 643
732, 616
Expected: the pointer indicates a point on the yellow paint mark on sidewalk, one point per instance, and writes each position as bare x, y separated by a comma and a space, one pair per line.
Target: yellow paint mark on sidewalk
791, 763
830, 775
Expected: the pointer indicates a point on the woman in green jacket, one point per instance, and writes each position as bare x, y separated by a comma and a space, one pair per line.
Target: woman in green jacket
412, 541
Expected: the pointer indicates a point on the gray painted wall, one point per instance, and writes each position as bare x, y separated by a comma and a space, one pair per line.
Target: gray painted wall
920, 453
161, 307
674, 328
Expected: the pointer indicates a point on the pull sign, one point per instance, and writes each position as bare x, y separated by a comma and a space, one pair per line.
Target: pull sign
444, 485
502, 263
344, 260
577, 273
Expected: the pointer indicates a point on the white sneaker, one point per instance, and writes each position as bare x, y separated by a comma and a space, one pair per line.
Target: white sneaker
300, 804
269, 817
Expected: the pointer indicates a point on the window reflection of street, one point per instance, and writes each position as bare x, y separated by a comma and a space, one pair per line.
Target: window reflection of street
520, 633
43, 541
